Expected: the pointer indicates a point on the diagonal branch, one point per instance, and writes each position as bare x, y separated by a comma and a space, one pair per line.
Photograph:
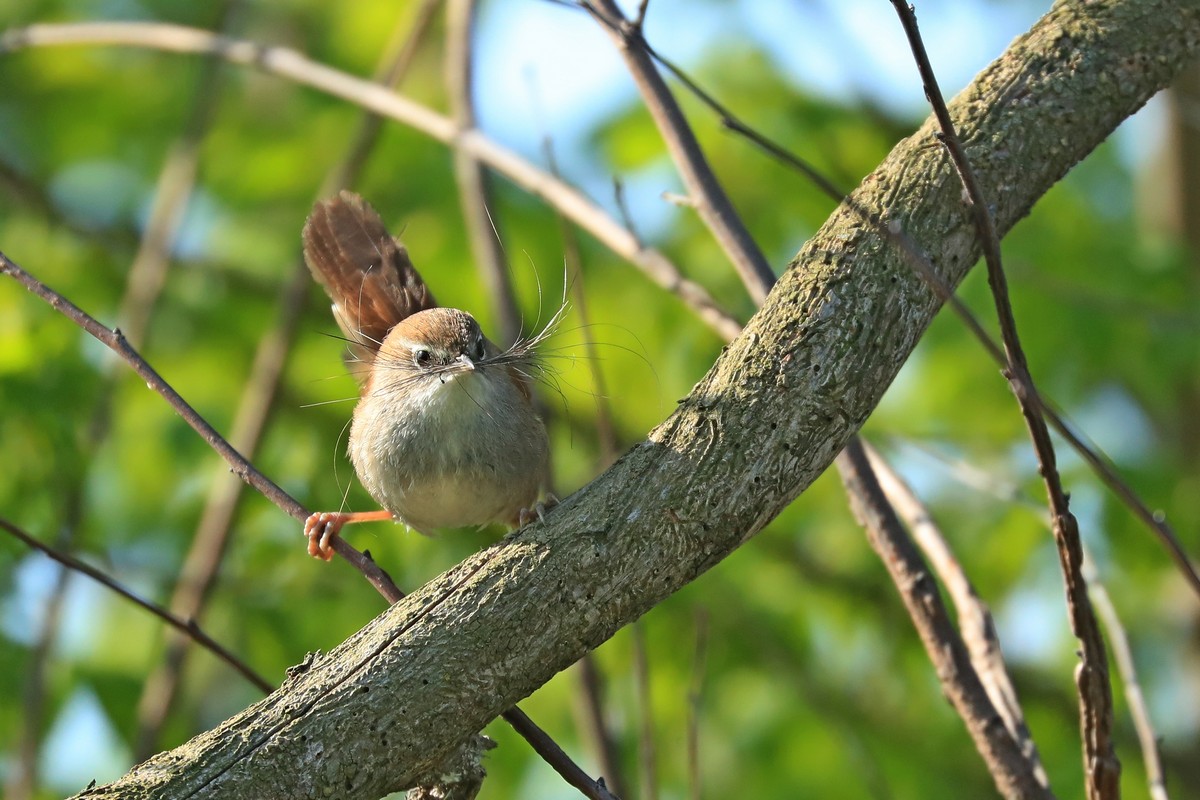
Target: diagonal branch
1013, 773
378, 578
187, 627
704, 190
975, 623
116, 341
1098, 463
139, 297
1008, 763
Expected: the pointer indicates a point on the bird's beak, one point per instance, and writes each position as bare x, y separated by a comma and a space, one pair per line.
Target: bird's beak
466, 362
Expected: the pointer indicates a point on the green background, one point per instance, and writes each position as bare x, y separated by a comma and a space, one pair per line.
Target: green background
812, 682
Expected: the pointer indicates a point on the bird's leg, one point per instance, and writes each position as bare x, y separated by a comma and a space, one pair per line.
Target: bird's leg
526, 515
321, 527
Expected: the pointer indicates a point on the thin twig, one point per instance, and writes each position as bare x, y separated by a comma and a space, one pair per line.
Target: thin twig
142, 287
1012, 771
695, 696
647, 755
974, 618
712, 204
1156, 777
201, 564
1101, 767
592, 695
549, 750
639, 18
187, 627
250, 474
994, 486
290, 64
683, 149
726, 117
116, 341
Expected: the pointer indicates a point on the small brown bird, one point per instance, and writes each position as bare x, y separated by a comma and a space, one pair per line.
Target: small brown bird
445, 433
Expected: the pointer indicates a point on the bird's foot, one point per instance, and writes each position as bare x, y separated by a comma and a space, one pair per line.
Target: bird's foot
322, 527
526, 515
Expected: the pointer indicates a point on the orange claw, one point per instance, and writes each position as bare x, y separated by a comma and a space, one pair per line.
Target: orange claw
322, 527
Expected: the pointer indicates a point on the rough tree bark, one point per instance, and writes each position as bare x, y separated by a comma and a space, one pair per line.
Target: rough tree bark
386, 706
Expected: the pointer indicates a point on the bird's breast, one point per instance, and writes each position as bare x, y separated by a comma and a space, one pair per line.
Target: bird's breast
467, 451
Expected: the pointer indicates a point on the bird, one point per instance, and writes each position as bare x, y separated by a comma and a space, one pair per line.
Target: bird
445, 432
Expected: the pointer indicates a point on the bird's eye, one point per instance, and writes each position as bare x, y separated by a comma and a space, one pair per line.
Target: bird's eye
421, 357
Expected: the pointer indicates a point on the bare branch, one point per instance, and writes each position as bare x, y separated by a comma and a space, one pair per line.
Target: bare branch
250, 474
919, 261
556, 757
592, 695
690, 161
373, 97
1156, 778
188, 628
1101, 767
116, 342
142, 287
711, 202
917, 518
1014, 774
974, 619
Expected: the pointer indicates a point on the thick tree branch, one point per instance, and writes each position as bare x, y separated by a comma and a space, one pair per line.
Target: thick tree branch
783, 399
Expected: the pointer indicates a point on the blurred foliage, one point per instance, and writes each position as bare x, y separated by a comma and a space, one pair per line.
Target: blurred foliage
813, 683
